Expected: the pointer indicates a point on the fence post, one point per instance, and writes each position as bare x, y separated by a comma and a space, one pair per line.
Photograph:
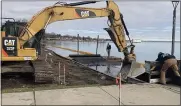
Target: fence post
97, 43
64, 73
59, 73
120, 86
78, 44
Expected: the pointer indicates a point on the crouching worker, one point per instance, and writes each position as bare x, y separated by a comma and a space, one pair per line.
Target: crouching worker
167, 61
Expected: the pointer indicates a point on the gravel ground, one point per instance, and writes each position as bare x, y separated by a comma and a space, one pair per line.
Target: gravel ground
75, 75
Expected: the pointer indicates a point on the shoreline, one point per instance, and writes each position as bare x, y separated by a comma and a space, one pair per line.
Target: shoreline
106, 41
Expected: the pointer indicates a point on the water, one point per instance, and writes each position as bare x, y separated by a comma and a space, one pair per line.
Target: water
112, 72
144, 50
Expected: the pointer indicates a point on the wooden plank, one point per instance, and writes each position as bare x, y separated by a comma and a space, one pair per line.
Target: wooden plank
155, 73
156, 80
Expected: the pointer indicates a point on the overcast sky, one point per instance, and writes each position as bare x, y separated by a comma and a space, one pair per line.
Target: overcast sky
144, 19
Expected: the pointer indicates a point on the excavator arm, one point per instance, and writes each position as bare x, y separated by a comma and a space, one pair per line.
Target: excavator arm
62, 12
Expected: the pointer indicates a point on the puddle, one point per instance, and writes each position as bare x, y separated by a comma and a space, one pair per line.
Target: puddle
111, 71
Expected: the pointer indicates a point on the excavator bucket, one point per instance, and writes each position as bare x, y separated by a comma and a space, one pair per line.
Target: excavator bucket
136, 69
130, 72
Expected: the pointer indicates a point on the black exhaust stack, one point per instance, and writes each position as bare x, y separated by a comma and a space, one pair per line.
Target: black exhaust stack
80, 3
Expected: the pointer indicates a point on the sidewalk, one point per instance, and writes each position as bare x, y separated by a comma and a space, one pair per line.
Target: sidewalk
132, 94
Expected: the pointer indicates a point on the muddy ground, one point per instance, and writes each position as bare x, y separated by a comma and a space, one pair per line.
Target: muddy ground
75, 75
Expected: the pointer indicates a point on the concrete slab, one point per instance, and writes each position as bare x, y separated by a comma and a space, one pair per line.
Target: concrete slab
75, 96
146, 94
23, 98
132, 94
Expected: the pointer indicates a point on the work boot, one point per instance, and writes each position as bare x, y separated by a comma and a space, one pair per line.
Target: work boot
177, 73
175, 69
162, 77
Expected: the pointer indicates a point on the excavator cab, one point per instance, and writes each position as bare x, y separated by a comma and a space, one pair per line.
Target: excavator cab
9, 39
12, 27
11, 50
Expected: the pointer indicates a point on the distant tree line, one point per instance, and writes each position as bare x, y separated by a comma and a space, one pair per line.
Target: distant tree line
22, 20
52, 35
70, 37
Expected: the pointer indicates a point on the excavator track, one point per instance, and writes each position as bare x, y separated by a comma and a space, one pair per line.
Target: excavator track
43, 69
43, 72
46, 67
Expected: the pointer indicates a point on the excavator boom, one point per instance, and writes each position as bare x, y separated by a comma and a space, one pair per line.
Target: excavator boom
70, 11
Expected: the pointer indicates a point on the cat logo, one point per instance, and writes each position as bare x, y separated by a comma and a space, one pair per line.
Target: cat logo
84, 13
9, 42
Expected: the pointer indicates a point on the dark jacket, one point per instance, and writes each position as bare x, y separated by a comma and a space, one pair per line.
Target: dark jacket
163, 57
108, 47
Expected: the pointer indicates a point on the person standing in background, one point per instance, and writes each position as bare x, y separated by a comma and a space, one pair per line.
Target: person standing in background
108, 49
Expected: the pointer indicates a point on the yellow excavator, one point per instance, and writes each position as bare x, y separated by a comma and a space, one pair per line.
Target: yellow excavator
22, 44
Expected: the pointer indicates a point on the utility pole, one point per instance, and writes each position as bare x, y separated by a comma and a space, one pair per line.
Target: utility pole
174, 3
